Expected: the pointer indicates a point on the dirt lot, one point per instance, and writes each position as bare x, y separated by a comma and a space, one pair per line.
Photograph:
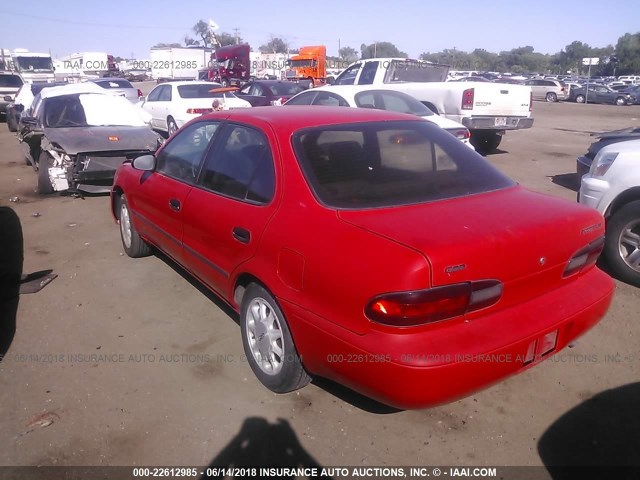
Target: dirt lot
170, 387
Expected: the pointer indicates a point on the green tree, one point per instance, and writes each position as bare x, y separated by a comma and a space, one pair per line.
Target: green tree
380, 50
275, 45
348, 54
188, 41
167, 45
628, 54
202, 30
228, 39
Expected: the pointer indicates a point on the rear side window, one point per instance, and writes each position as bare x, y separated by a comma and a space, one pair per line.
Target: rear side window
305, 98
241, 166
199, 90
376, 164
330, 100
10, 81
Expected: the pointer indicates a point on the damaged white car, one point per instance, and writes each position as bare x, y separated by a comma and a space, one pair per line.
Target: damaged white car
76, 136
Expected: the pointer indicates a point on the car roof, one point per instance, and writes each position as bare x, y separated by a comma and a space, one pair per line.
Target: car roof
622, 146
72, 88
191, 82
288, 119
108, 79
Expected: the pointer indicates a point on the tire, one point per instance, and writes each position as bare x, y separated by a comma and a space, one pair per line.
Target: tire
268, 344
224, 82
621, 101
622, 243
551, 97
134, 246
580, 98
172, 127
11, 125
44, 186
310, 83
485, 142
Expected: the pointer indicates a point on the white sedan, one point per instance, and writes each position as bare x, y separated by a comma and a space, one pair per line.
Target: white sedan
380, 98
173, 104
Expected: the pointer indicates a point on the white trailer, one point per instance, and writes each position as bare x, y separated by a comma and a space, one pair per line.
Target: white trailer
31, 66
176, 63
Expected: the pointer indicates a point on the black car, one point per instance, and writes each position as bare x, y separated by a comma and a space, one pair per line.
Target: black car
633, 90
76, 136
261, 93
583, 163
14, 110
601, 94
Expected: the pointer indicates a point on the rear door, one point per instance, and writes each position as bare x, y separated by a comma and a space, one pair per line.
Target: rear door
158, 202
150, 103
226, 213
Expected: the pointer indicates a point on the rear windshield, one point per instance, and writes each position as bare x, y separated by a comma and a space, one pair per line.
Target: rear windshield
383, 164
108, 84
285, 88
11, 81
202, 91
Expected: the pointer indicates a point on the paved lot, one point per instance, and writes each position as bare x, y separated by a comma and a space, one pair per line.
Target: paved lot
170, 386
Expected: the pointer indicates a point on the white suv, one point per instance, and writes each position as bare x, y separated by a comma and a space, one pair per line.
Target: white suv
612, 186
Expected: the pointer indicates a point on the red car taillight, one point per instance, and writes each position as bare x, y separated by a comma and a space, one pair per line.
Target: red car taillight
467, 99
140, 93
460, 133
407, 309
585, 257
199, 110
531, 100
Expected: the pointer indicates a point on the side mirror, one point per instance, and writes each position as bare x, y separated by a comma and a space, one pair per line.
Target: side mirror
145, 163
7, 98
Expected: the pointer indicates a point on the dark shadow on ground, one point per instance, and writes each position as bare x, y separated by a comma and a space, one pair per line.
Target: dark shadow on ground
497, 151
11, 260
567, 180
263, 444
600, 438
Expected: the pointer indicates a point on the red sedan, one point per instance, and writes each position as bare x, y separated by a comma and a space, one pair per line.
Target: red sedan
368, 247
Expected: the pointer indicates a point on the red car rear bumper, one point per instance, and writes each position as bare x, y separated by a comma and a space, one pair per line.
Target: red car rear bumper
438, 365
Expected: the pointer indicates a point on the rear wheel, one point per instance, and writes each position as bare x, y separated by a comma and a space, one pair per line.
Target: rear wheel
310, 83
621, 101
134, 245
224, 82
44, 186
268, 344
485, 142
622, 245
580, 98
551, 97
172, 127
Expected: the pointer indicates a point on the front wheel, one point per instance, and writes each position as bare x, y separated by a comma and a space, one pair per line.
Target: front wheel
551, 97
580, 98
224, 82
485, 142
134, 245
44, 187
622, 243
620, 101
268, 344
310, 83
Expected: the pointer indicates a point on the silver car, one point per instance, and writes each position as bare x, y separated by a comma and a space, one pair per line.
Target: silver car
120, 86
549, 90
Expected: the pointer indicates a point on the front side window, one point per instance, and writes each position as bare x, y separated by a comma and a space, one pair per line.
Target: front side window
348, 77
382, 164
181, 157
368, 74
241, 166
165, 94
154, 94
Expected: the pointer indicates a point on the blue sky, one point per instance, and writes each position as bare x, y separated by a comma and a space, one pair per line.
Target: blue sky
124, 28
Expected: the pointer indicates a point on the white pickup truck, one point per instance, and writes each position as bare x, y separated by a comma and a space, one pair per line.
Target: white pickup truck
487, 109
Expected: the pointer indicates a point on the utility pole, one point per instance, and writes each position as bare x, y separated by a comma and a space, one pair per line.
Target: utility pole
235, 30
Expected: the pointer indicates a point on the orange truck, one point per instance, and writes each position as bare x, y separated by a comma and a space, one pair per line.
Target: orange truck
309, 66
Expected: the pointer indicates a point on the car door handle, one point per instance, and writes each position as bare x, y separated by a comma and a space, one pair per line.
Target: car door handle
241, 234
174, 204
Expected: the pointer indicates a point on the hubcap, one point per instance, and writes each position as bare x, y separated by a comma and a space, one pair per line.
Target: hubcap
125, 226
629, 245
265, 336
172, 128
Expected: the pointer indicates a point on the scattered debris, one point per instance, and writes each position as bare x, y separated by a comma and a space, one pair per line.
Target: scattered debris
72, 225
36, 214
15, 199
86, 244
42, 420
